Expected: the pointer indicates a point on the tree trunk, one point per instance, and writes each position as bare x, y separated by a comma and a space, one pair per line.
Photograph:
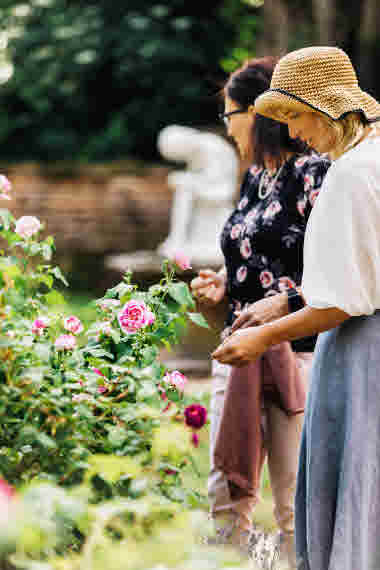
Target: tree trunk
324, 16
367, 52
275, 38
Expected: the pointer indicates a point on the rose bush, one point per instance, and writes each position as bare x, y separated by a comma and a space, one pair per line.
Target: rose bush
89, 407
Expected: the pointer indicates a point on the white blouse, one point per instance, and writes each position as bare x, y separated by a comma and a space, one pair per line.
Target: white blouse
342, 240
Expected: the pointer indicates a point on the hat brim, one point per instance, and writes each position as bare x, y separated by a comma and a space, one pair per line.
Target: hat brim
277, 104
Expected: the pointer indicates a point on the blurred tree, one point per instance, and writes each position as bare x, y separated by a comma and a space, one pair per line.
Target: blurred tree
353, 26
97, 80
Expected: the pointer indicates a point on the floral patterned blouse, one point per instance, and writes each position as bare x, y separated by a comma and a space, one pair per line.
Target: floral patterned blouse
262, 240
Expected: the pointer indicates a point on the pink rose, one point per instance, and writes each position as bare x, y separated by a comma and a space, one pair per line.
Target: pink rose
27, 226
266, 278
195, 416
301, 205
134, 316
308, 182
7, 502
272, 210
175, 379
5, 187
285, 283
245, 248
72, 324
65, 342
243, 202
7, 492
97, 371
182, 260
102, 389
108, 304
39, 325
313, 196
236, 231
241, 273
250, 218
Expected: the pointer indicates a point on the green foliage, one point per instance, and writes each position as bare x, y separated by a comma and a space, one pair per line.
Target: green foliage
98, 80
93, 433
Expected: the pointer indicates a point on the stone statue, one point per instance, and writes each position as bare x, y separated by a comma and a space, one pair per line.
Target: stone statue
204, 192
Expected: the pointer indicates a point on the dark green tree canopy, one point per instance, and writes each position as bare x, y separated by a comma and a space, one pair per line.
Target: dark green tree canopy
98, 79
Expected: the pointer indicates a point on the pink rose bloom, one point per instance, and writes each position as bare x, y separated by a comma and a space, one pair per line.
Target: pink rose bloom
102, 389
39, 325
235, 231
7, 492
308, 182
245, 248
73, 324
7, 499
5, 187
195, 416
182, 260
241, 273
301, 205
27, 226
65, 342
108, 304
150, 318
285, 283
134, 315
266, 278
97, 371
175, 379
243, 202
272, 210
313, 196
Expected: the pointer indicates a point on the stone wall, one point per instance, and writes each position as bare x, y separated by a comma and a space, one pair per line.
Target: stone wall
94, 211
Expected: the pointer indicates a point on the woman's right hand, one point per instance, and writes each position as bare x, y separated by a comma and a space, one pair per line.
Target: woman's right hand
261, 312
209, 287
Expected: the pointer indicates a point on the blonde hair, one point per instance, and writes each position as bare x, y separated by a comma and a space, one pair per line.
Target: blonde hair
345, 132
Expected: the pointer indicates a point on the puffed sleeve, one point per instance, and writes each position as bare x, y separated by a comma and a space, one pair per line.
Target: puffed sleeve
342, 242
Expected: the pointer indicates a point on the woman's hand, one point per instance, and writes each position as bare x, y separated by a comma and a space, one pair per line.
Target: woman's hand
209, 287
261, 312
243, 346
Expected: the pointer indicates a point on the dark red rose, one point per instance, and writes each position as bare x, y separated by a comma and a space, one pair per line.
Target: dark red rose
195, 416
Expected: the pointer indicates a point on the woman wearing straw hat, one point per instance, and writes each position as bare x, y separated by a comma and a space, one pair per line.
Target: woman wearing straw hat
261, 420
315, 91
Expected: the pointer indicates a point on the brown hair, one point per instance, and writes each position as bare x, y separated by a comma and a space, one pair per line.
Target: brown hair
269, 138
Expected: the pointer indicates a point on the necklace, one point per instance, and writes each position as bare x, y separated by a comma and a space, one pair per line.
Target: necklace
267, 183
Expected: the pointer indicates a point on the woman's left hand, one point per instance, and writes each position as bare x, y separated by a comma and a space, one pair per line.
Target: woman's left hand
243, 346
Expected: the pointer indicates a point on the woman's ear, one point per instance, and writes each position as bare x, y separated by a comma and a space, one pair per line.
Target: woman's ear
251, 110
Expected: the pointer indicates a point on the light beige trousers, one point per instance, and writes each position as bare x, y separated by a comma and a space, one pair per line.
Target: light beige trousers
281, 440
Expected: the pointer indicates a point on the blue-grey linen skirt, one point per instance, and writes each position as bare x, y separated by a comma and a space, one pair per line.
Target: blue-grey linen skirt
338, 485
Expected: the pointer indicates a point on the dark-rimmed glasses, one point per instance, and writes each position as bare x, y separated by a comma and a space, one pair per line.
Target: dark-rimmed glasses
224, 116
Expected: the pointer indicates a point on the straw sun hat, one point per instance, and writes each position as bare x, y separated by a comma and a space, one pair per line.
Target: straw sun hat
318, 79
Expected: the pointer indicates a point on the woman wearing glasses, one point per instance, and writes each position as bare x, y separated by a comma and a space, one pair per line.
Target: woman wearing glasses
262, 242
